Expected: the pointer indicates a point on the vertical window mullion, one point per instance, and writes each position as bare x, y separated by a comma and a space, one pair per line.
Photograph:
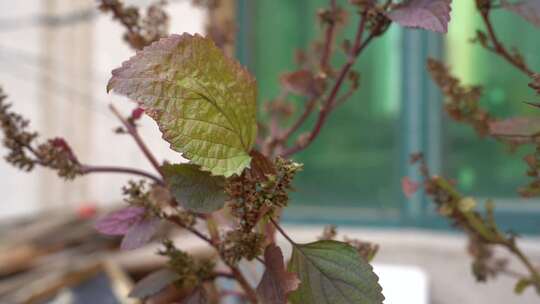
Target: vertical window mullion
421, 124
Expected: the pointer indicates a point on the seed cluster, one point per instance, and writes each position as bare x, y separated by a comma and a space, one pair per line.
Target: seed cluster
140, 30
239, 244
16, 137
136, 193
462, 102
485, 264
191, 272
532, 189
252, 198
25, 154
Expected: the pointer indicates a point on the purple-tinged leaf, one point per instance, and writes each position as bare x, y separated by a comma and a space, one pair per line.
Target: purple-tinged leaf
140, 233
432, 15
517, 129
261, 166
153, 283
409, 186
303, 82
527, 9
276, 282
119, 222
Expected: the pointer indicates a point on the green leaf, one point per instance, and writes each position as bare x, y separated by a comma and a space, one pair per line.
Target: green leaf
203, 102
521, 285
195, 189
333, 272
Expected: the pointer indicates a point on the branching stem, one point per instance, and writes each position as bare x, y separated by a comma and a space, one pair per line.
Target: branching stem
498, 47
310, 106
328, 105
533, 272
132, 130
278, 227
87, 169
235, 272
329, 38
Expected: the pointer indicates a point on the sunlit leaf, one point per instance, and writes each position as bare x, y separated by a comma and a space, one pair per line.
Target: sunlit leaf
119, 222
276, 282
432, 15
333, 272
203, 102
153, 283
527, 9
195, 189
140, 233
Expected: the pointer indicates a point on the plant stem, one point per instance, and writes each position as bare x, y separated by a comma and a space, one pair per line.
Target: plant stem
329, 39
176, 220
327, 107
324, 65
301, 119
343, 98
224, 275
282, 231
212, 227
491, 235
132, 130
251, 296
87, 169
260, 261
498, 47
534, 273
235, 272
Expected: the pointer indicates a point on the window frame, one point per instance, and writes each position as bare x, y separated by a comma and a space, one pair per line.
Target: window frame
422, 129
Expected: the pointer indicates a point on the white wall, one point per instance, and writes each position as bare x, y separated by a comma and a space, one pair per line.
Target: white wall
56, 76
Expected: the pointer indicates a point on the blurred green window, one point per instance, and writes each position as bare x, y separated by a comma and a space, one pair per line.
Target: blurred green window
353, 170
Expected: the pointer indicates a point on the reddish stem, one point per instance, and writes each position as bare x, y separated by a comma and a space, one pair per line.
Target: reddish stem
282, 231
329, 38
132, 130
235, 272
86, 169
357, 48
498, 47
251, 296
301, 119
